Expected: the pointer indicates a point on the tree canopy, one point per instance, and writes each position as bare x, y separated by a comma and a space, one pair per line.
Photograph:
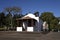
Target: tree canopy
50, 19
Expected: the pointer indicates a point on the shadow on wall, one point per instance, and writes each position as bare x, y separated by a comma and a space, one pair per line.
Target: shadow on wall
38, 26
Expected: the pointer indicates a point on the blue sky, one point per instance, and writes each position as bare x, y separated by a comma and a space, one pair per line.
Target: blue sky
33, 5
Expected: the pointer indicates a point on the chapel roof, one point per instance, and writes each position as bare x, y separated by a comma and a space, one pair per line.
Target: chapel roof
28, 16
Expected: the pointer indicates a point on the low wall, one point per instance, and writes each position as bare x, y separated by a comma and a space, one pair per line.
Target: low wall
20, 29
29, 29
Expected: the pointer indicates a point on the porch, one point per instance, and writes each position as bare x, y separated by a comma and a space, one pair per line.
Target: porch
26, 24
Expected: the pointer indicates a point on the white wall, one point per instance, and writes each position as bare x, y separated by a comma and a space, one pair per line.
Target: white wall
19, 29
29, 29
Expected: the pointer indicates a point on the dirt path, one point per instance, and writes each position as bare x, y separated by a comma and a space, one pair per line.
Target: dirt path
29, 36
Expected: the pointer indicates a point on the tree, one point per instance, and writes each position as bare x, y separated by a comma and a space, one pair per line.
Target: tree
14, 19
11, 12
2, 19
8, 20
47, 16
50, 19
59, 23
54, 24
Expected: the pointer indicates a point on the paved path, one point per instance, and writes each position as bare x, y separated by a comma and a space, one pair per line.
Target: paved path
29, 36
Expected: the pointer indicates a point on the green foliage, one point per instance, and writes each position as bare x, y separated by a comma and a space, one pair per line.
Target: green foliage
8, 19
14, 19
50, 19
47, 16
54, 24
2, 19
12, 11
59, 26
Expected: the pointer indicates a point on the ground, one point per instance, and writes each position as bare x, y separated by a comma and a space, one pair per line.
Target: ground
29, 36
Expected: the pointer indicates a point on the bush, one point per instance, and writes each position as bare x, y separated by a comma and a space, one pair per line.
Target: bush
2, 29
55, 30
